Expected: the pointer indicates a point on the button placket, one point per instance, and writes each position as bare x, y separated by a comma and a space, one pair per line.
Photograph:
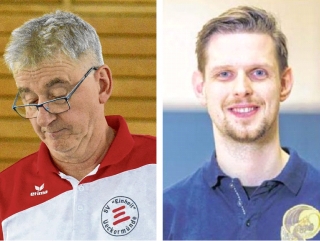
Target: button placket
79, 192
239, 201
81, 188
80, 207
248, 223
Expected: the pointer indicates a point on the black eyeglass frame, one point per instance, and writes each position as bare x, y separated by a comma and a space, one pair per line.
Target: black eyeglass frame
66, 98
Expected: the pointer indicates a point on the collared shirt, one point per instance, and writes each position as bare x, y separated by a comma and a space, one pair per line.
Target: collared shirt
114, 201
209, 205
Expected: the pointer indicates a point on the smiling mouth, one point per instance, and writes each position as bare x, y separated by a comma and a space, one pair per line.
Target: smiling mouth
244, 110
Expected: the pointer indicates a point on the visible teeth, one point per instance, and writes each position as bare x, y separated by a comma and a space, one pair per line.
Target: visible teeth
243, 110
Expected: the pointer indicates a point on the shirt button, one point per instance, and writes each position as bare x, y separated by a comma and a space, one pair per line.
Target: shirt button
81, 188
248, 223
80, 208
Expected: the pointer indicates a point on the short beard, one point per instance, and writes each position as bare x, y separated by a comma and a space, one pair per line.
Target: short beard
247, 136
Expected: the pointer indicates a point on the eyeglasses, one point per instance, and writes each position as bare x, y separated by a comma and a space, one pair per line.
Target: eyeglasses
55, 106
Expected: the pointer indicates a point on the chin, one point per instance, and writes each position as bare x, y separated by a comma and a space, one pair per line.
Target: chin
246, 139
59, 146
247, 136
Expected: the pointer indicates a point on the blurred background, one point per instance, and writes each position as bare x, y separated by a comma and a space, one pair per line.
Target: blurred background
187, 129
127, 30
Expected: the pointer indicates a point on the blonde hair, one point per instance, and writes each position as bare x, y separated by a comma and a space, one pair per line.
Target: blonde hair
243, 19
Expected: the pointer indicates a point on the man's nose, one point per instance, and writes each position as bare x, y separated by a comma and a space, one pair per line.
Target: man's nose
242, 85
44, 118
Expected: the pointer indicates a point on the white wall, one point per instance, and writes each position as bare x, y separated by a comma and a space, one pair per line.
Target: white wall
182, 19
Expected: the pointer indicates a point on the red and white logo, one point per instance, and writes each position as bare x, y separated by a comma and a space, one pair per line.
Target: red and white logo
119, 216
39, 191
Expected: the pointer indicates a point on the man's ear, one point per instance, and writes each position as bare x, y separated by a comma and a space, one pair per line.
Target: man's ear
286, 84
104, 76
198, 86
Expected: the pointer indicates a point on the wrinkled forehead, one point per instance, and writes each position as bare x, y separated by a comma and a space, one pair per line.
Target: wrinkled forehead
45, 77
55, 67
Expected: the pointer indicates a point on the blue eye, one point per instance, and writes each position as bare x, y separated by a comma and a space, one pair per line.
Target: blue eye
259, 74
224, 75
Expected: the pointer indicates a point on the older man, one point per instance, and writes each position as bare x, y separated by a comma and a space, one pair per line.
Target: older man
90, 179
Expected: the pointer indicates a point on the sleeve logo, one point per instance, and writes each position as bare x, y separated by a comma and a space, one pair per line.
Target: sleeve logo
300, 222
119, 216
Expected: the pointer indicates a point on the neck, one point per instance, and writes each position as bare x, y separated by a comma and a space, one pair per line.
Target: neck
252, 163
82, 166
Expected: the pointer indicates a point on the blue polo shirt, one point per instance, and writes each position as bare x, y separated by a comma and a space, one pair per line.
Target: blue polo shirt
209, 205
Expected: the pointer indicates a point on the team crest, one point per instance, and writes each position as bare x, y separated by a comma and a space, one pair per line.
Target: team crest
300, 222
119, 216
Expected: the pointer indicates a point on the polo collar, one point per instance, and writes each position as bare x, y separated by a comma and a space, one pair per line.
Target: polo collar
45, 162
118, 150
212, 172
122, 143
291, 176
293, 173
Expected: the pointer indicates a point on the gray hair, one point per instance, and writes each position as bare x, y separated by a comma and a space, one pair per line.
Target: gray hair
45, 37
243, 19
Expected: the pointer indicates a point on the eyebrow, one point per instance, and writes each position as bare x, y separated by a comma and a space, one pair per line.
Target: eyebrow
227, 66
47, 85
55, 81
218, 68
22, 90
